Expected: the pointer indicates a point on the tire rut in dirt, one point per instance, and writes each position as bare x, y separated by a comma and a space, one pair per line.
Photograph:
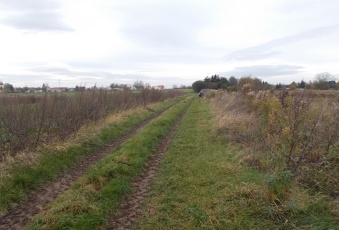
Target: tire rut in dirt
130, 209
21, 214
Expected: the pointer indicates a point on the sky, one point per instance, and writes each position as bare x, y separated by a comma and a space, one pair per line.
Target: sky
160, 42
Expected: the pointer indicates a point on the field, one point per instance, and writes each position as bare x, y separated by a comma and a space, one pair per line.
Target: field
27, 121
236, 161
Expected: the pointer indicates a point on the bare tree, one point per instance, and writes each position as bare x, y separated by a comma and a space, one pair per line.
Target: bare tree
139, 85
322, 79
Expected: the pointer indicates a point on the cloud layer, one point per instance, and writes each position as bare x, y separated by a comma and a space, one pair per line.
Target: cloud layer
33, 15
165, 42
265, 70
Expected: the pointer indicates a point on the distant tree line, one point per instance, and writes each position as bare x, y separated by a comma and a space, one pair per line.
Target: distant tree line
119, 86
231, 84
322, 81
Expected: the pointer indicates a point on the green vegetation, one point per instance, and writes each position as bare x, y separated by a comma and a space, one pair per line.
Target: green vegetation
87, 204
203, 185
286, 131
245, 160
21, 177
28, 121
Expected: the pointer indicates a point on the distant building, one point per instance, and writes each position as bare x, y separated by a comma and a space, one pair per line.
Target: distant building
1, 87
158, 87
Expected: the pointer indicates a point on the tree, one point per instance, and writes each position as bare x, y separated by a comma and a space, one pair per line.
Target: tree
302, 84
44, 87
216, 82
139, 85
198, 85
309, 85
113, 85
8, 88
233, 81
322, 79
79, 88
257, 84
293, 86
244, 80
223, 83
278, 86
214, 78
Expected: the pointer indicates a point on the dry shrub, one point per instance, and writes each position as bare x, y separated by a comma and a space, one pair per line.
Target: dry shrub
296, 131
29, 120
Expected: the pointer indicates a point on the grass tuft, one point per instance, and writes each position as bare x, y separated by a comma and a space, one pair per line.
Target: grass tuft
101, 190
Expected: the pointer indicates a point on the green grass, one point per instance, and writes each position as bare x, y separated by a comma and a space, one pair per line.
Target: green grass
201, 185
100, 191
23, 178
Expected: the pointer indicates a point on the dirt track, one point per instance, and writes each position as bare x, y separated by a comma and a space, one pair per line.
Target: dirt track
130, 209
19, 215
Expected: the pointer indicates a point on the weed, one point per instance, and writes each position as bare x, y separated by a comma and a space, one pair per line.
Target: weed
279, 186
281, 131
202, 185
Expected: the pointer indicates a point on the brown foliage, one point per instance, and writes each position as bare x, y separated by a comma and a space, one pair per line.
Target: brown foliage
296, 131
28, 120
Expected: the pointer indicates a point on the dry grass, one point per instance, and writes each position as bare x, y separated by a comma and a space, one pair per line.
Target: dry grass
297, 131
29, 121
86, 132
202, 186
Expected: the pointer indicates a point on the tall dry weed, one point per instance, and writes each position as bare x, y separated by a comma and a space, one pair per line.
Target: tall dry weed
294, 131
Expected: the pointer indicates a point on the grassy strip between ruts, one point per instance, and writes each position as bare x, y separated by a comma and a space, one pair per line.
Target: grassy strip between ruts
201, 185
51, 162
100, 191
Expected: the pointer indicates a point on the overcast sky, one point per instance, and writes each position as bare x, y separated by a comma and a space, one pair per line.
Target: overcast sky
87, 42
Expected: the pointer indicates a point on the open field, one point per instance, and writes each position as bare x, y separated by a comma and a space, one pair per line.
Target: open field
203, 185
29, 121
170, 165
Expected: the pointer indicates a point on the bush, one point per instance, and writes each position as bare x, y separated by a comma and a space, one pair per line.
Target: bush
29, 120
281, 131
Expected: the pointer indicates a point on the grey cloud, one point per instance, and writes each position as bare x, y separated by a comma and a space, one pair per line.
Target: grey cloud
69, 78
29, 4
104, 77
33, 15
143, 60
158, 24
89, 75
269, 49
265, 70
